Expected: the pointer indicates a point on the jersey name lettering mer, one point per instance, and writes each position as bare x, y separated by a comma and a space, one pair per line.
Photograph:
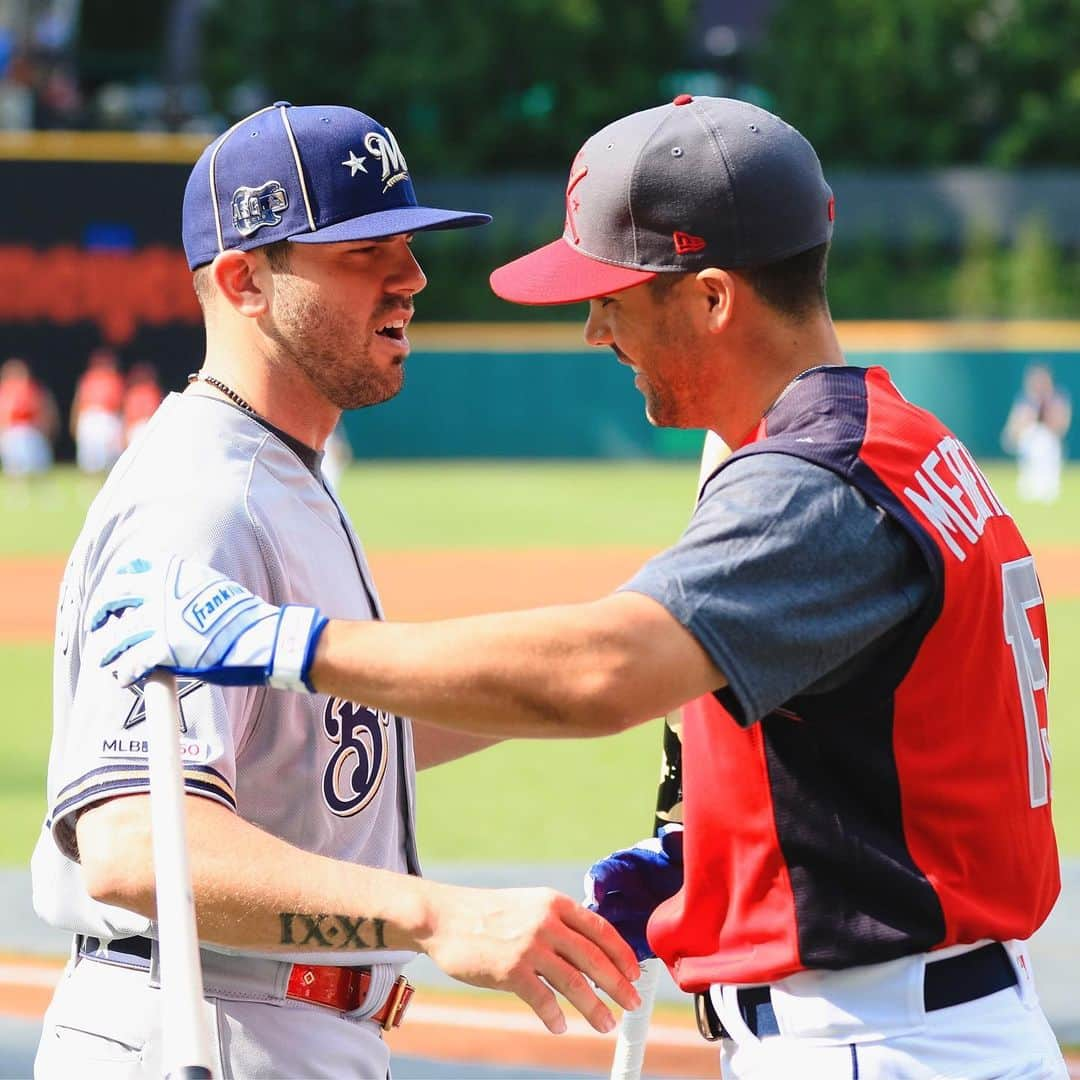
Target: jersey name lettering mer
829, 834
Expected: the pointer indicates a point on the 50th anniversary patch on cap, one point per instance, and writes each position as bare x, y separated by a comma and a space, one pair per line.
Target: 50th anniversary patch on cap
309, 174
255, 208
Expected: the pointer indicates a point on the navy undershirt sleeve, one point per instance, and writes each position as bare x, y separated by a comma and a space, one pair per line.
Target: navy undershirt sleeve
789, 578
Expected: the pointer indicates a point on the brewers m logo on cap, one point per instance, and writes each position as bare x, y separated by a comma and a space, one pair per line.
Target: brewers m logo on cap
386, 149
252, 208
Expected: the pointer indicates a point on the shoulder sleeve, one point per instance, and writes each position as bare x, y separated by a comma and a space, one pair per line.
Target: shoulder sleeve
103, 749
785, 574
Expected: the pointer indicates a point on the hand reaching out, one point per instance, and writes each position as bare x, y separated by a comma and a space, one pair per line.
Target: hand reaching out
531, 942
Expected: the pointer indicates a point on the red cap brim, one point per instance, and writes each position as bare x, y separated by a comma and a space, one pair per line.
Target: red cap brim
557, 274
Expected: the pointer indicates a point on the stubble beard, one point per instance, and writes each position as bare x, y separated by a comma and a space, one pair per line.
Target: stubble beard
341, 369
666, 402
659, 409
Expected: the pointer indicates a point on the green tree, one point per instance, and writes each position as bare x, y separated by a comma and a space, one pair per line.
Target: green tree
928, 82
924, 274
862, 279
1031, 48
1036, 273
976, 288
507, 85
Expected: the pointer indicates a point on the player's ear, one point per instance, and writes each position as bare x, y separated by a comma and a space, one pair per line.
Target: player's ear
242, 279
717, 289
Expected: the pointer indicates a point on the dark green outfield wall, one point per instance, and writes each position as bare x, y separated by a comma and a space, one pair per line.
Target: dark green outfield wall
582, 405
474, 404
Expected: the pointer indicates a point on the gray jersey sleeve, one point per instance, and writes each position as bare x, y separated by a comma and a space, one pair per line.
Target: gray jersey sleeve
789, 579
105, 750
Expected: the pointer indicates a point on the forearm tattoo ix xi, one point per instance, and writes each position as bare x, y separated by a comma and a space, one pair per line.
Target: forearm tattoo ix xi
332, 931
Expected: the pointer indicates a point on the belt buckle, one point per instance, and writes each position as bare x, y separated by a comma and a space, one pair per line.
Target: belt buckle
709, 1025
400, 995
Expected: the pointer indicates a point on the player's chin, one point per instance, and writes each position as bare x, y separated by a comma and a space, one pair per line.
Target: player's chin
390, 385
660, 412
376, 385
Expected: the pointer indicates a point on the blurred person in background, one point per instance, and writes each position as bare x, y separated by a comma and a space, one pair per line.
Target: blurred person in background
28, 421
97, 413
141, 398
1035, 432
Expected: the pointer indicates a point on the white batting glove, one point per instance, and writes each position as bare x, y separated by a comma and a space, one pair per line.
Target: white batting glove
172, 614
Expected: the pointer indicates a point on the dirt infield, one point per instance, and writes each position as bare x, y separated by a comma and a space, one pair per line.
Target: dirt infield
420, 585
413, 585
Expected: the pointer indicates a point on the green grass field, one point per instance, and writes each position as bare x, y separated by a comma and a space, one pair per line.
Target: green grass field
524, 801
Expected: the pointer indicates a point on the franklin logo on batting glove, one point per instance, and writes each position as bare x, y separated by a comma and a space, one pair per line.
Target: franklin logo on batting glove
213, 604
168, 614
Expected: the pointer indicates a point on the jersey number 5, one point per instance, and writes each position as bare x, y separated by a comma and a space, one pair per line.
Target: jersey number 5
1020, 587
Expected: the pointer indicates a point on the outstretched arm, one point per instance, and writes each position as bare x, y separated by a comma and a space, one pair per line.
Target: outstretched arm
573, 670
281, 898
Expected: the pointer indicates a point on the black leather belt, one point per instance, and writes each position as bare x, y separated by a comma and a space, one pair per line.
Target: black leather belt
952, 981
132, 952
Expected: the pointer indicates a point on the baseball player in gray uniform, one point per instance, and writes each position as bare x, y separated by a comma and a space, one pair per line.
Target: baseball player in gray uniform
297, 223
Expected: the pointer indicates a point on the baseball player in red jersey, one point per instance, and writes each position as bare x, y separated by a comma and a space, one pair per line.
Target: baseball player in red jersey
142, 396
851, 612
28, 421
97, 413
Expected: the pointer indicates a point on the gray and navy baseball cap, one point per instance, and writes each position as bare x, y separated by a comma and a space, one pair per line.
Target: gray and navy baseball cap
312, 174
701, 182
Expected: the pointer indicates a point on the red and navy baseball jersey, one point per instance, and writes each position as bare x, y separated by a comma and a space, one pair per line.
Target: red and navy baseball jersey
909, 808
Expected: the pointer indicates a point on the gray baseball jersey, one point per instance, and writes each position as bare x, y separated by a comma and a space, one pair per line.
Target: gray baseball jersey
209, 481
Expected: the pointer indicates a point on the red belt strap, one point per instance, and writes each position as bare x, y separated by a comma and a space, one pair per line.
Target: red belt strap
345, 989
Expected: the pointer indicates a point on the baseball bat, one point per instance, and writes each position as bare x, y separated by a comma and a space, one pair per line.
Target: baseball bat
633, 1034
185, 1039
634, 1026
633, 1031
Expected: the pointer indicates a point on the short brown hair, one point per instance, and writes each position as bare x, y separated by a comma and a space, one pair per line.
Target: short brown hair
661, 285
794, 286
277, 255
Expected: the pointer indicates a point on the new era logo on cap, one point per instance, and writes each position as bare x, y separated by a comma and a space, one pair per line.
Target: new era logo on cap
701, 182
309, 174
686, 243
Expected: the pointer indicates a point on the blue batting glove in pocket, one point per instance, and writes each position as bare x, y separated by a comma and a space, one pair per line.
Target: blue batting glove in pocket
627, 886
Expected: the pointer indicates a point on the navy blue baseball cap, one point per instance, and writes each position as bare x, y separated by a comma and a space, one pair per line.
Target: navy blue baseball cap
312, 174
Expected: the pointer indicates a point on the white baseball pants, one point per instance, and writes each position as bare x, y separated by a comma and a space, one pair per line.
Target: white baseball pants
870, 1024
104, 1023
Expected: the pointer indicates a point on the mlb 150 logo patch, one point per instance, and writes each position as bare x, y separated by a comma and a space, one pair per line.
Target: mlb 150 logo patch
252, 208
